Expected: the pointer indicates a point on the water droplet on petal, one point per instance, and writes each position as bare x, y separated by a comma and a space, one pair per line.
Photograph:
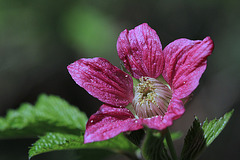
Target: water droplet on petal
91, 121
126, 76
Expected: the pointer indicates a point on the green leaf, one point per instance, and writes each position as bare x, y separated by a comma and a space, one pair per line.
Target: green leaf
213, 128
60, 141
50, 114
153, 147
199, 137
194, 142
60, 112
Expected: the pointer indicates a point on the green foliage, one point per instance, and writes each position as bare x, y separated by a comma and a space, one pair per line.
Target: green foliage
61, 141
60, 112
64, 125
199, 137
194, 142
88, 30
153, 147
213, 128
50, 114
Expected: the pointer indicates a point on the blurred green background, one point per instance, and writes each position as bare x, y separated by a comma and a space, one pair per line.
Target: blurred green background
38, 39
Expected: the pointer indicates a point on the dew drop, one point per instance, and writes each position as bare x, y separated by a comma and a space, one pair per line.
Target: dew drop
126, 76
56, 142
91, 121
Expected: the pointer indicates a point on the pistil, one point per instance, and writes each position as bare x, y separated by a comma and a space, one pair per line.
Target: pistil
151, 98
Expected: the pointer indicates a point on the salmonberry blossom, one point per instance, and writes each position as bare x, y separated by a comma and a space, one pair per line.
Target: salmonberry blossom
165, 78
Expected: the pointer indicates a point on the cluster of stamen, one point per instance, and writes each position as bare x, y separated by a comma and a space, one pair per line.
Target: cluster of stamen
151, 98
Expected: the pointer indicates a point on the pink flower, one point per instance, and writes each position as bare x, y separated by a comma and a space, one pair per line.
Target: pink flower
165, 77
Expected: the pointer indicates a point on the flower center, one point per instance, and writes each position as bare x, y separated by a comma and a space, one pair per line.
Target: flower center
151, 98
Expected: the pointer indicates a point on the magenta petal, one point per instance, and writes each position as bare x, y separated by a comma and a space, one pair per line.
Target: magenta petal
185, 62
103, 80
175, 111
140, 50
109, 122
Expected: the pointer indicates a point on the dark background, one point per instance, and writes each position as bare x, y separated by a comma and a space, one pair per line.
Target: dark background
39, 38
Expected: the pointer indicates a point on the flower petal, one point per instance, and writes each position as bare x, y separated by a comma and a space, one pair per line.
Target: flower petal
103, 80
175, 111
185, 62
140, 50
109, 122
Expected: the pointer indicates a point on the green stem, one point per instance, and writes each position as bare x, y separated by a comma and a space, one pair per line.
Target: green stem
170, 145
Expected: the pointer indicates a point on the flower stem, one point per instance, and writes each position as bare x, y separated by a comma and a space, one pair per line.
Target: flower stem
170, 145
